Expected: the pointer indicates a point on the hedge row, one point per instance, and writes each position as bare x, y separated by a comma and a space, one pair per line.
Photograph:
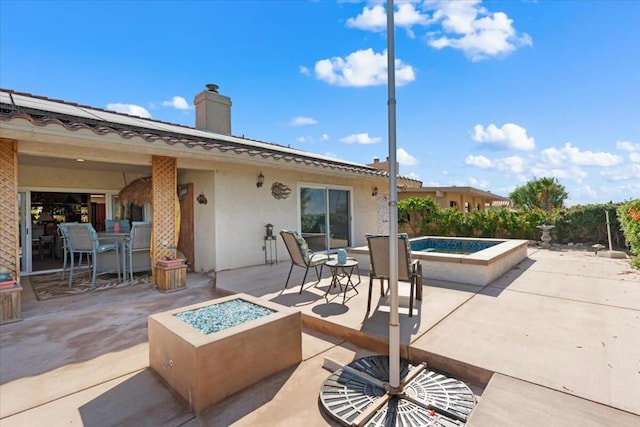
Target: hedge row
579, 224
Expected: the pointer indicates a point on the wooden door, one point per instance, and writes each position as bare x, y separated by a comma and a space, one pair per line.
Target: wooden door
99, 216
185, 240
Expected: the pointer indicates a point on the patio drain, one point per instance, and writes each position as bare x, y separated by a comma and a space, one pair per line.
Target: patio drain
428, 399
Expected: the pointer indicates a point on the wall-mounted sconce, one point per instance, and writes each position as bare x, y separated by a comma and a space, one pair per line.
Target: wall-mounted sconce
374, 191
202, 199
260, 180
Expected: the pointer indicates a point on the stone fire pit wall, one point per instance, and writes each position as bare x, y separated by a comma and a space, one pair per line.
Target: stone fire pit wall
204, 369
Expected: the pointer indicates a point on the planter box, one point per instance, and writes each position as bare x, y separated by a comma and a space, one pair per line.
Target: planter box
11, 303
170, 263
204, 369
171, 278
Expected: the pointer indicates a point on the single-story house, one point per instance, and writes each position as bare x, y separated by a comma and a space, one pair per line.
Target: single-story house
69, 161
464, 199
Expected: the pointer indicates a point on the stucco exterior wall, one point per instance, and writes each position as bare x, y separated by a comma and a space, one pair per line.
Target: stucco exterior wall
243, 210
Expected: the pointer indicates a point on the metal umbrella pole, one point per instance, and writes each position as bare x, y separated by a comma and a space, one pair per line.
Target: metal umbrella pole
394, 323
368, 391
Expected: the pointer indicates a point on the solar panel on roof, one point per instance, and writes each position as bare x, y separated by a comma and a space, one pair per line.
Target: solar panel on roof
64, 109
118, 118
5, 98
45, 105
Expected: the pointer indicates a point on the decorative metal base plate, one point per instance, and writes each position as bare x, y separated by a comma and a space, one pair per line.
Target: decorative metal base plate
428, 399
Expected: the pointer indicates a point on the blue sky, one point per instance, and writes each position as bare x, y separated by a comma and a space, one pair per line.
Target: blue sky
490, 94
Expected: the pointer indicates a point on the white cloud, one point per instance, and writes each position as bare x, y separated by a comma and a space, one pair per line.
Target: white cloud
177, 102
371, 19
627, 146
480, 34
408, 15
589, 158
583, 192
622, 173
305, 70
513, 164
301, 139
324, 137
478, 183
632, 148
375, 18
302, 121
361, 68
570, 172
360, 138
131, 109
405, 158
508, 136
572, 155
464, 25
552, 156
478, 161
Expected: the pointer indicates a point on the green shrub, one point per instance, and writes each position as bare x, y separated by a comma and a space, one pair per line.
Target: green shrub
629, 218
417, 213
578, 224
587, 224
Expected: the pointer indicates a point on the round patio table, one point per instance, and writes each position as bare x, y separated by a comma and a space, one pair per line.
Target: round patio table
342, 272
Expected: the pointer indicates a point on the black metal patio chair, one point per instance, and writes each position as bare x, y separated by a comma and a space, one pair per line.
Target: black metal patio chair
302, 256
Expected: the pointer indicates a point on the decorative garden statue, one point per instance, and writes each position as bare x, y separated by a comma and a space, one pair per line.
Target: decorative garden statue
546, 236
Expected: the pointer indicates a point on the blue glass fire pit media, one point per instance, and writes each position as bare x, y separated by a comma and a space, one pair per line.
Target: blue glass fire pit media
224, 315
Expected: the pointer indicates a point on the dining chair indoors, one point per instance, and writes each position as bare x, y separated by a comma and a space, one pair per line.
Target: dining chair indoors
408, 270
302, 256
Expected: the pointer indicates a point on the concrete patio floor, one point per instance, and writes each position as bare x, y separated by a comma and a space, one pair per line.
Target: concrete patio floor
555, 341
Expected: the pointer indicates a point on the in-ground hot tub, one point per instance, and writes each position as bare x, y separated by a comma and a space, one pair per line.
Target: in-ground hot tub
473, 261
208, 351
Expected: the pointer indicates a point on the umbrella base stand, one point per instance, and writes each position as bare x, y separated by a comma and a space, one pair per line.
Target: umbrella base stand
356, 395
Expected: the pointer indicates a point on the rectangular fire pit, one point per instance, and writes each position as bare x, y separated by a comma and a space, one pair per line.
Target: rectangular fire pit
204, 356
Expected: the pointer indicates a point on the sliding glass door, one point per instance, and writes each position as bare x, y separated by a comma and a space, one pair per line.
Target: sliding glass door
325, 217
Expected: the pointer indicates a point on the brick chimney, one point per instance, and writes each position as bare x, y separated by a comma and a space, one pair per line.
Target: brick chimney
383, 165
213, 111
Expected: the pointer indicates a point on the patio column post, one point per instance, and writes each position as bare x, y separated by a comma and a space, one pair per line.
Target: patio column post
165, 205
9, 220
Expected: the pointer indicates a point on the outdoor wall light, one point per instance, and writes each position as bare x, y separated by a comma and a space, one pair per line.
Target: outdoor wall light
202, 199
374, 191
260, 180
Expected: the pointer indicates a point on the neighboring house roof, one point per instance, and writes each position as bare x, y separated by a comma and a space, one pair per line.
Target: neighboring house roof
455, 189
42, 111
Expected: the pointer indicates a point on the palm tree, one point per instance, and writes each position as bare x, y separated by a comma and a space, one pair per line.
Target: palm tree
544, 193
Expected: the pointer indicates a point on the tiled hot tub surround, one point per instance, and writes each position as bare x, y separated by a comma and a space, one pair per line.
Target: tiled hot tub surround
479, 268
467, 246
205, 368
